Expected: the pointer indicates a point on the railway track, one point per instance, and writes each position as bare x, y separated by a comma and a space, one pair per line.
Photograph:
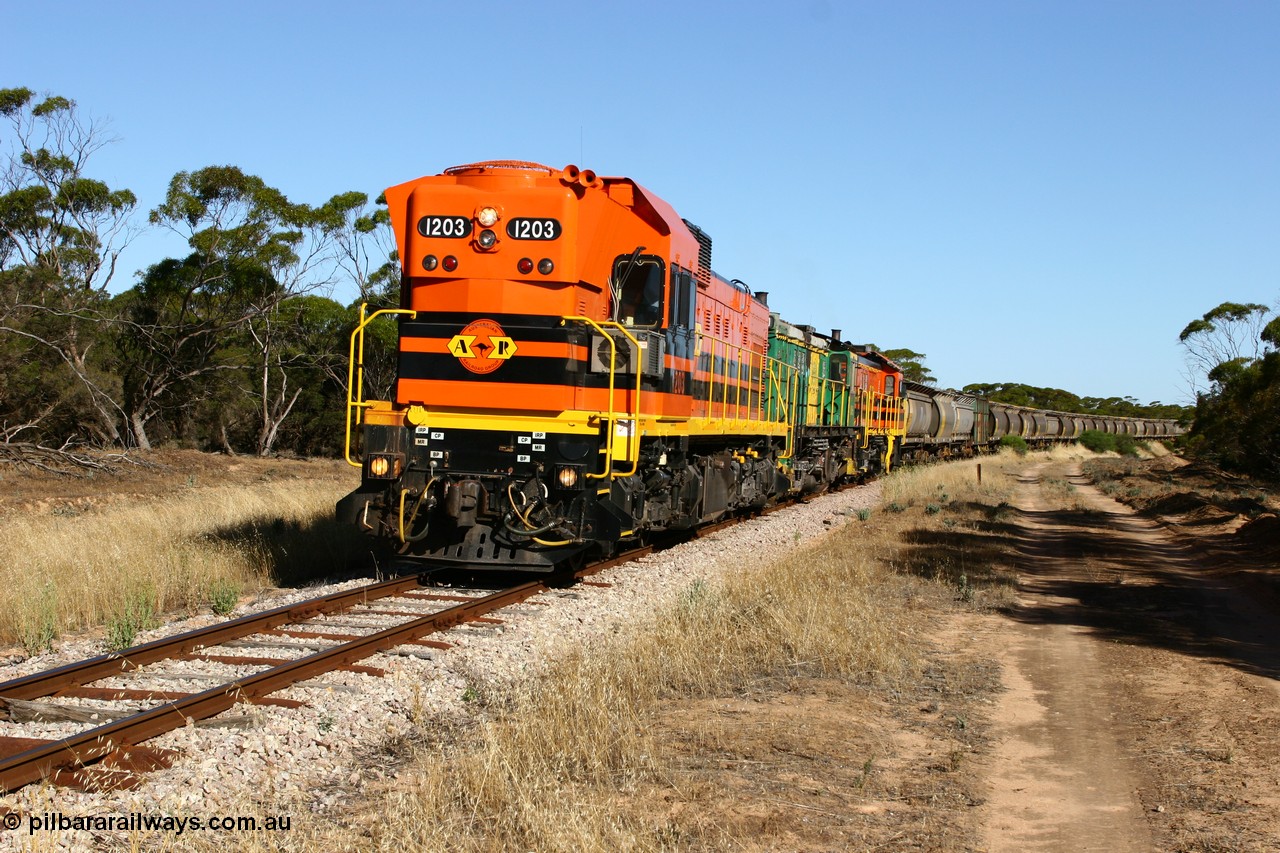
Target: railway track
112, 755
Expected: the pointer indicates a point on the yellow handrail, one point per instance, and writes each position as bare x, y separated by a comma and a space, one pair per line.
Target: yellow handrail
868, 405
754, 411
742, 383
633, 434
711, 386
355, 369
782, 407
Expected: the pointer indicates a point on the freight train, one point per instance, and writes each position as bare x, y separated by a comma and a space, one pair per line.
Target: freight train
572, 376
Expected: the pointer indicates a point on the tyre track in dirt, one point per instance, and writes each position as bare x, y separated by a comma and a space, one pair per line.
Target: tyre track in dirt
1140, 701
1059, 780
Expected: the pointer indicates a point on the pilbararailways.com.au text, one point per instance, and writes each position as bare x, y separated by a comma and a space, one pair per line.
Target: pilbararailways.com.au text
140, 822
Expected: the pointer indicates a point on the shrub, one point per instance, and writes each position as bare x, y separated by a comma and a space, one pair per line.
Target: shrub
37, 621
224, 595
1017, 442
1101, 442
1098, 441
1126, 445
137, 613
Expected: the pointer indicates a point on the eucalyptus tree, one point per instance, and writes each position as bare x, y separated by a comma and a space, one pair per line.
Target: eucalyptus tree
370, 259
180, 329
912, 364
61, 235
312, 369
215, 315
1236, 346
367, 250
1225, 338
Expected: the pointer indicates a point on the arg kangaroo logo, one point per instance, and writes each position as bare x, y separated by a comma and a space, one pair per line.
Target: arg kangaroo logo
482, 346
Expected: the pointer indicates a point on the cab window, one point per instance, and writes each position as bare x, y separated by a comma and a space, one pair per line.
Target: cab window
638, 289
891, 385
839, 367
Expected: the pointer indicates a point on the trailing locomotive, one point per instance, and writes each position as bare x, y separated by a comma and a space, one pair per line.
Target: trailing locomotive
573, 375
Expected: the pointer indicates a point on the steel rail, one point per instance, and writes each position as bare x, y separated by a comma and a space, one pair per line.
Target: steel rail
47, 683
93, 744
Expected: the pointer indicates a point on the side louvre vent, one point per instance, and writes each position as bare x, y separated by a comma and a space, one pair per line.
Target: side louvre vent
704, 252
655, 360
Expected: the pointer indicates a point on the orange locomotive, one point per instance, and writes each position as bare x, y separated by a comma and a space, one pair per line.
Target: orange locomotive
572, 374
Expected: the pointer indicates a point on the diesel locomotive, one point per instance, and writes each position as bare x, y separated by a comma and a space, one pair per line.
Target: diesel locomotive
572, 375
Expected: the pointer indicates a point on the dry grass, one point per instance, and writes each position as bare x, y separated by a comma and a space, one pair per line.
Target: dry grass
547, 770
958, 480
953, 481
78, 568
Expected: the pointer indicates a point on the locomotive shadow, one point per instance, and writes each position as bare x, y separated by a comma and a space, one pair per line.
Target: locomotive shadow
1079, 572
326, 551
302, 553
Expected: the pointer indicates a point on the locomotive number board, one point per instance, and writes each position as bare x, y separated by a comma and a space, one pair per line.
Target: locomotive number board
444, 226
525, 228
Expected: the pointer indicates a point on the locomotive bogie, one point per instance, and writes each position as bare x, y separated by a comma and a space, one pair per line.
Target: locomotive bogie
458, 500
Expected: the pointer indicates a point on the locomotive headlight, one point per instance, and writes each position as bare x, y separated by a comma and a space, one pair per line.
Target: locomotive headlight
567, 475
487, 216
487, 239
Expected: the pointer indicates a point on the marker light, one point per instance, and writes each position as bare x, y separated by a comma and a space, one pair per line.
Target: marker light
429, 263
525, 266
545, 266
487, 216
487, 239
450, 263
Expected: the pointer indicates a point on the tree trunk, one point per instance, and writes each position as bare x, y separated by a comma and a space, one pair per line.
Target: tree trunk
138, 426
224, 438
271, 425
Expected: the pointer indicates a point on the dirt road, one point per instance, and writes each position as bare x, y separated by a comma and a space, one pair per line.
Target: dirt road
1140, 702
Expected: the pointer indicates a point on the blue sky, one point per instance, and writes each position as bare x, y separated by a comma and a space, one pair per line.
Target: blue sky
1040, 192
